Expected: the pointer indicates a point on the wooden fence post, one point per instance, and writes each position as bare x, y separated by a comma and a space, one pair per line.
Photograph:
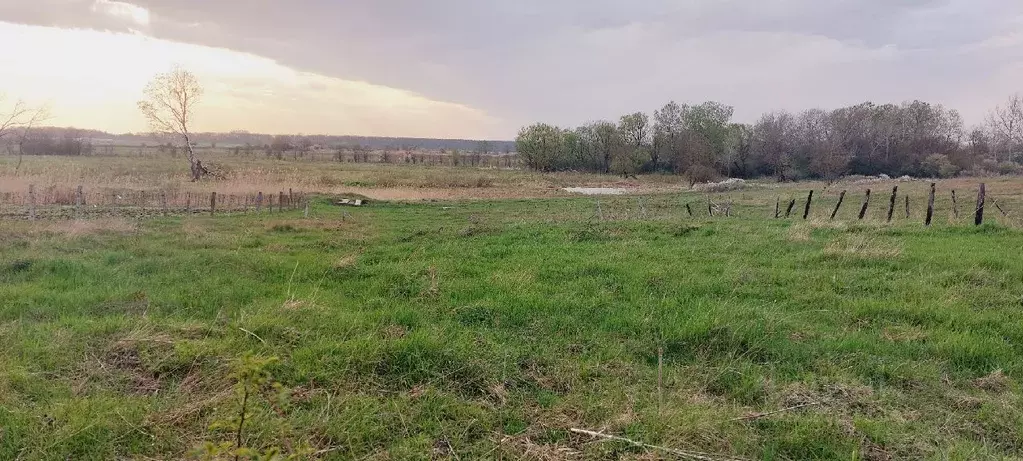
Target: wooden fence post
866, 203
955, 205
163, 202
978, 219
806, 211
259, 201
891, 204
213, 203
788, 211
291, 199
710, 208
32, 202
78, 202
907, 207
280, 202
188, 203
306, 214
841, 198
777, 208
930, 205
689, 210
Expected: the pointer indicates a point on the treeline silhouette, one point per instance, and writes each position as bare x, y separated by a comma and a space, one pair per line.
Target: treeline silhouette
702, 142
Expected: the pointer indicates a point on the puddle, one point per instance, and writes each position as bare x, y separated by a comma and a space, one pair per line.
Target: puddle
596, 190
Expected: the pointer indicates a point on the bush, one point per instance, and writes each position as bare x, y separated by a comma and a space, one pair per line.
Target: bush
938, 166
1009, 168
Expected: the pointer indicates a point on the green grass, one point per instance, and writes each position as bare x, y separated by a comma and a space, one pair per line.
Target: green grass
487, 330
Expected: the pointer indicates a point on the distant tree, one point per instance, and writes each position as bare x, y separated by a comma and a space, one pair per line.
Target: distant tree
1006, 125
669, 137
740, 150
169, 106
540, 146
280, 145
304, 145
637, 137
773, 144
482, 149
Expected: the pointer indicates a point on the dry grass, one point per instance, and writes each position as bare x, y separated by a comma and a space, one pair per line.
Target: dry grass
996, 382
78, 228
862, 246
246, 176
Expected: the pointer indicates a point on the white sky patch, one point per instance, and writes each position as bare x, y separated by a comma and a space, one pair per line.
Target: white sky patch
243, 91
122, 10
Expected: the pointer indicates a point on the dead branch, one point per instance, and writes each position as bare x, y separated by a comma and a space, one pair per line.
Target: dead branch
695, 455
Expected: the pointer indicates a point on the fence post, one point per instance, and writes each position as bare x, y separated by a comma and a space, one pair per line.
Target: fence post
280, 202
891, 204
291, 199
788, 211
955, 205
213, 203
163, 202
32, 202
259, 201
841, 198
710, 208
689, 210
809, 200
978, 219
866, 203
907, 207
777, 208
188, 203
306, 214
930, 205
78, 202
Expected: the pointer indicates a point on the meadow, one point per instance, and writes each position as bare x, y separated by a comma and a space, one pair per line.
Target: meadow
488, 321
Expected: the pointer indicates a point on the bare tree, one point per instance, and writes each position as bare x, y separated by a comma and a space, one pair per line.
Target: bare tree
16, 124
1006, 123
169, 104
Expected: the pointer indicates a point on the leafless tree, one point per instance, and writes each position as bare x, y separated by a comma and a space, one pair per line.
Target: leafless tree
169, 106
16, 123
1006, 124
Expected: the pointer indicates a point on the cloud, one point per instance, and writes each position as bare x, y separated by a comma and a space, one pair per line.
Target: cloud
573, 60
123, 11
93, 79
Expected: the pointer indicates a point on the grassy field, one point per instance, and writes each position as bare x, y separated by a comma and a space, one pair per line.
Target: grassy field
251, 174
487, 329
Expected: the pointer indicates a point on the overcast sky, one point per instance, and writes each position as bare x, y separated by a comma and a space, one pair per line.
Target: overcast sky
475, 68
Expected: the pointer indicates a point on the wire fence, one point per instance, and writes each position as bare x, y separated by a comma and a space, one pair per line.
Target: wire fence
55, 202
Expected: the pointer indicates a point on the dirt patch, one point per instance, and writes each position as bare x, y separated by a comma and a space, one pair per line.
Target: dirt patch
124, 358
996, 382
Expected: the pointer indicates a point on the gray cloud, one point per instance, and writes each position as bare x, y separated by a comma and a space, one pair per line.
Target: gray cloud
569, 61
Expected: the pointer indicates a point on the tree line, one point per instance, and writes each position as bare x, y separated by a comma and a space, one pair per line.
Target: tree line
702, 142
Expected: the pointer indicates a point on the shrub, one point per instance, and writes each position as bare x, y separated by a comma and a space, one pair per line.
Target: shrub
938, 166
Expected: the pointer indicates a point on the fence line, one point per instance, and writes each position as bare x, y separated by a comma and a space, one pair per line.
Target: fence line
78, 202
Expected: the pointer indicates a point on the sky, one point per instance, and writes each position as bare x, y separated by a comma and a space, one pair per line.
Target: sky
484, 68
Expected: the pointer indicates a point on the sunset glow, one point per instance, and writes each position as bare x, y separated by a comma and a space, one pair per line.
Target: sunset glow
92, 79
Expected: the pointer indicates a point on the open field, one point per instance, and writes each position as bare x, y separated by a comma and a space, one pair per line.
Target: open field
487, 329
248, 175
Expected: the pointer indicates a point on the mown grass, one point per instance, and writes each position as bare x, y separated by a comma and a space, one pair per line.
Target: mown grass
487, 330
